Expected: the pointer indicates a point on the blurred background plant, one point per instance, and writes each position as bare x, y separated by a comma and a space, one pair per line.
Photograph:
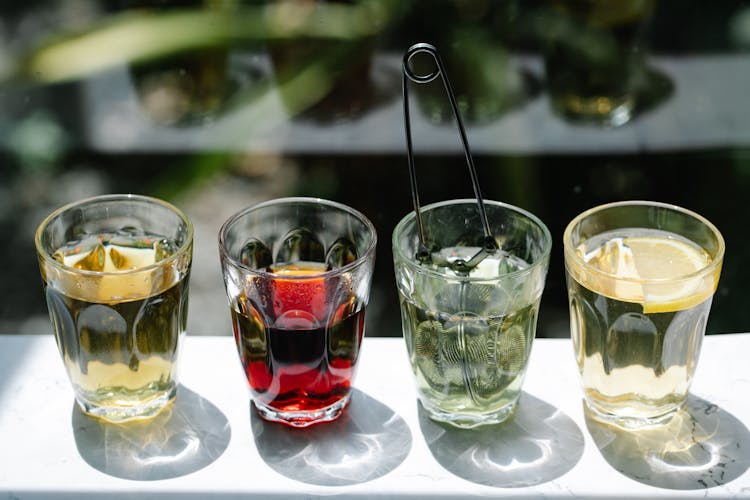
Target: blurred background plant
167, 98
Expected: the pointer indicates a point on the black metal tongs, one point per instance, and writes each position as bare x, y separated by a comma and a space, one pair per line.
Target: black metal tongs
427, 253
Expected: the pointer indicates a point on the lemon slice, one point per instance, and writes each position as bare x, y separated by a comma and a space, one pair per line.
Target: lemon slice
117, 284
671, 260
654, 270
121, 258
665, 258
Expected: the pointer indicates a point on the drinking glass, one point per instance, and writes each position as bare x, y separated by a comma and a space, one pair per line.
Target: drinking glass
594, 58
297, 273
115, 271
641, 276
469, 334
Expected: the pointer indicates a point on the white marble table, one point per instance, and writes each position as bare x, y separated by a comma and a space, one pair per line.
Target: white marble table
212, 445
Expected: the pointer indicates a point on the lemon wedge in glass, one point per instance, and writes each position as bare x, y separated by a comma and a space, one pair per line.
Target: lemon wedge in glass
657, 270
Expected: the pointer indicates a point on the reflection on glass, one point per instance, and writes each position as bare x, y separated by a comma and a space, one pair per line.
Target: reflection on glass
485, 79
594, 58
323, 69
184, 88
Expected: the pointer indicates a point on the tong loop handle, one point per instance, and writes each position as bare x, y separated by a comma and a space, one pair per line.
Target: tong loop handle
424, 251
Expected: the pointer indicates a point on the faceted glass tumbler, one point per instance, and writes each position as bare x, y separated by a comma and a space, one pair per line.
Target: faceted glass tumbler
116, 271
297, 273
469, 334
641, 277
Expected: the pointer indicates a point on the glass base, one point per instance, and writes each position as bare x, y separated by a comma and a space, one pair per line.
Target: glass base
629, 422
303, 418
597, 110
469, 420
124, 413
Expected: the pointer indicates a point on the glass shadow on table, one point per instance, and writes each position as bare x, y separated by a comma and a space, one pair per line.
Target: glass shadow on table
366, 442
185, 437
702, 447
538, 444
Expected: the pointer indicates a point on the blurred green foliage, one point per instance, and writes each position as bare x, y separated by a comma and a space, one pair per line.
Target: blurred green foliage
313, 57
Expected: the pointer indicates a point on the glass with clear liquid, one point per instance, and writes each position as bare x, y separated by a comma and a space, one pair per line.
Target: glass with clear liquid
641, 277
116, 272
469, 333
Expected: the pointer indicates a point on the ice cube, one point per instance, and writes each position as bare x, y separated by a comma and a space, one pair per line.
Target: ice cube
92, 259
440, 295
125, 258
59, 256
300, 245
341, 253
506, 266
614, 257
255, 254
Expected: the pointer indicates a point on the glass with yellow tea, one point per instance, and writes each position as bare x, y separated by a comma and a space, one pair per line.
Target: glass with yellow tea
641, 277
115, 271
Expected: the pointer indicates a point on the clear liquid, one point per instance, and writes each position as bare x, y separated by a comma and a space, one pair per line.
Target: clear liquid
469, 364
119, 345
636, 366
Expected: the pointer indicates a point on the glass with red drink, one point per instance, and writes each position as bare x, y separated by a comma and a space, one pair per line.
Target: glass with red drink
297, 273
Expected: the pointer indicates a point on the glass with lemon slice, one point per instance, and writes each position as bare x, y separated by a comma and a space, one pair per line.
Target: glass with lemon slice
641, 277
115, 271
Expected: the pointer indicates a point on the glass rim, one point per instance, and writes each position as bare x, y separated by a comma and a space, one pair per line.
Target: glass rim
417, 267
570, 253
49, 259
360, 260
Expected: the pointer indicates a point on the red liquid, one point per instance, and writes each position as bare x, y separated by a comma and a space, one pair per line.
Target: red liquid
306, 360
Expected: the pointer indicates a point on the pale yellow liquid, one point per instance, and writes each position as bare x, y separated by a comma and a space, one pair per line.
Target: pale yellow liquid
637, 345
119, 341
118, 384
469, 367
